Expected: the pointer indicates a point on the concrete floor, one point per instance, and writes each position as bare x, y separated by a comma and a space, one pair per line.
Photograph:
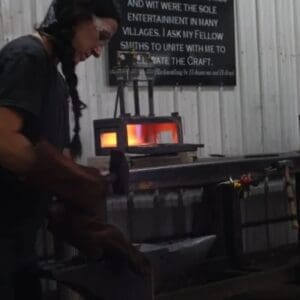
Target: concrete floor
274, 284
280, 292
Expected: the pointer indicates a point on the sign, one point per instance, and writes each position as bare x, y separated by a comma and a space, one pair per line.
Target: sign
191, 42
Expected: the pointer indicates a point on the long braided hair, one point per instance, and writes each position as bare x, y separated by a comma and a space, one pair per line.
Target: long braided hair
58, 26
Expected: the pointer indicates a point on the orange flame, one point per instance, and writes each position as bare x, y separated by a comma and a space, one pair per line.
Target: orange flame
144, 134
151, 134
108, 140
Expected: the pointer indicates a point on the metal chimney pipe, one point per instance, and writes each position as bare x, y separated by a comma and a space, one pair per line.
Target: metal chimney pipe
151, 97
136, 97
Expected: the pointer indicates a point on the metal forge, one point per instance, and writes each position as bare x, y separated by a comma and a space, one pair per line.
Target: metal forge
138, 134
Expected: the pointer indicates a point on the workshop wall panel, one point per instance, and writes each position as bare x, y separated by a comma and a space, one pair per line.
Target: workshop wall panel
296, 10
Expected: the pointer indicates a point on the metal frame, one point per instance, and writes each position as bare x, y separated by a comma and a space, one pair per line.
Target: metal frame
241, 276
204, 172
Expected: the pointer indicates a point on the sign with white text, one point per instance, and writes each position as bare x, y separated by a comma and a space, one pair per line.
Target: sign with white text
191, 42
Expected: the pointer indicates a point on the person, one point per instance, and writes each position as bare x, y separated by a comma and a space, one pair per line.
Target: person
36, 152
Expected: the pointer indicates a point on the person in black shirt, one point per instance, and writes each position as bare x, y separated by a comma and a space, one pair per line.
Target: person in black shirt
34, 133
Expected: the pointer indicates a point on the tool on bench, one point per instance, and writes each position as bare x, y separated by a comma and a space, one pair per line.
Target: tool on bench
118, 175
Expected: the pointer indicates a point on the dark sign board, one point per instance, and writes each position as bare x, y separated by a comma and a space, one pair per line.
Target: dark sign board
191, 42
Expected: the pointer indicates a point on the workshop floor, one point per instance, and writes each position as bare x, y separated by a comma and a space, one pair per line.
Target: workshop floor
280, 292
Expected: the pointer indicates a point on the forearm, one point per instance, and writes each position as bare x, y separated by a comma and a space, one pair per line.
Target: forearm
62, 176
89, 234
17, 154
44, 167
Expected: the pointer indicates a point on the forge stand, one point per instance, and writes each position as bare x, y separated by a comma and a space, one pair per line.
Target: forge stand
257, 243
208, 239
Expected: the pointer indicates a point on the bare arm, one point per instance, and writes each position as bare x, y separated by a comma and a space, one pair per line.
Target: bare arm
43, 166
16, 152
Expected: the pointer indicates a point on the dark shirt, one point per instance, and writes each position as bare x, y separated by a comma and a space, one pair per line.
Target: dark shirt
29, 81
31, 84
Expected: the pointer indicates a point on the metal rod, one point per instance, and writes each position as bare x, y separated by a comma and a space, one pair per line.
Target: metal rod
267, 209
117, 102
136, 97
269, 221
151, 97
297, 179
122, 98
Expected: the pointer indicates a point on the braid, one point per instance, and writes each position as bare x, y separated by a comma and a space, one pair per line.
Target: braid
65, 53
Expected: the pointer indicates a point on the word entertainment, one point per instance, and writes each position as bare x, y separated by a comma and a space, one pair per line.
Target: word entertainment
171, 20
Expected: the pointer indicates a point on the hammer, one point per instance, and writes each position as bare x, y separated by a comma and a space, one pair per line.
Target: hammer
118, 175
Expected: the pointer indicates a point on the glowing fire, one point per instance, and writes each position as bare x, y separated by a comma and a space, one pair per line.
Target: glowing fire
145, 134
151, 134
108, 140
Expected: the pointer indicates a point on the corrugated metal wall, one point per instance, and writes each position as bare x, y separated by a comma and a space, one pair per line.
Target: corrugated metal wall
259, 115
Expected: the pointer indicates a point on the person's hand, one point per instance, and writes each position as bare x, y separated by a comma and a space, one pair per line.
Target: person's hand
92, 237
91, 170
138, 262
77, 185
